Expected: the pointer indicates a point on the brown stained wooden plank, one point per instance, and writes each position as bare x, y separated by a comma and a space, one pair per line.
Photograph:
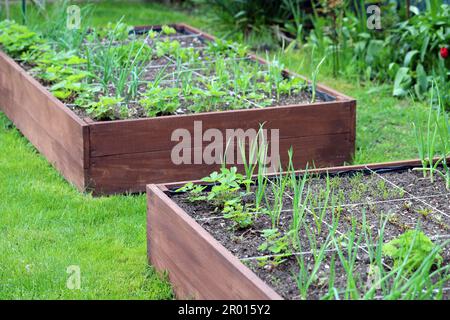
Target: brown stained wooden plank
199, 267
131, 172
55, 153
44, 121
352, 126
183, 26
135, 136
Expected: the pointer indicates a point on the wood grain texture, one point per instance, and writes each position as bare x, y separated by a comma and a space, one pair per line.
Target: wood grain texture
198, 266
131, 172
144, 135
52, 128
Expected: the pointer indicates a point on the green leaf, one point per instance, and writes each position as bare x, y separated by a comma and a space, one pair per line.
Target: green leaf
402, 82
424, 48
75, 60
62, 94
414, 10
421, 85
409, 56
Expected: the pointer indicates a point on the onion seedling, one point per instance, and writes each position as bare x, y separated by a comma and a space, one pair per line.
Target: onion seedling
133, 68
274, 75
261, 180
314, 76
299, 200
348, 260
437, 127
443, 127
307, 275
252, 161
426, 142
320, 204
279, 184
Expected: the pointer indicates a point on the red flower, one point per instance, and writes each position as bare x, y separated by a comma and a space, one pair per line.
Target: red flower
444, 52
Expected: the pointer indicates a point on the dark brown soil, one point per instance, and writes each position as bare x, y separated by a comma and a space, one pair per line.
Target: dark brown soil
295, 98
402, 199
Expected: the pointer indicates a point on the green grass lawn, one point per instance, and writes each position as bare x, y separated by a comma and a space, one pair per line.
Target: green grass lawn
47, 226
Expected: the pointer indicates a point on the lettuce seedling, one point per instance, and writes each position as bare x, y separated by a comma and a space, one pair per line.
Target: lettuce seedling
411, 248
167, 47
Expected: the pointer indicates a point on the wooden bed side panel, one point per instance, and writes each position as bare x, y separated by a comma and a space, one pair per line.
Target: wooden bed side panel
49, 125
136, 136
352, 126
132, 172
198, 266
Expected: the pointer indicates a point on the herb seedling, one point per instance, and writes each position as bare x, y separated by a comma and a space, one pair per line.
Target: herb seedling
241, 215
424, 212
106, 108
314, 76
195, 191
227, 185
275, 242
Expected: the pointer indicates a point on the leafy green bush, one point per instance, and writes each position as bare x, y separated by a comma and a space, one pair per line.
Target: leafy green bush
405, 53
417, 43
247, 16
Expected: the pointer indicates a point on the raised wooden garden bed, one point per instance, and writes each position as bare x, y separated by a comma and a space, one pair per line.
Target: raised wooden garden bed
124, 155
207, 258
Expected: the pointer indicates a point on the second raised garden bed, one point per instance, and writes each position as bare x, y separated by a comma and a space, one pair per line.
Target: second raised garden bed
353, 231
124, 155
